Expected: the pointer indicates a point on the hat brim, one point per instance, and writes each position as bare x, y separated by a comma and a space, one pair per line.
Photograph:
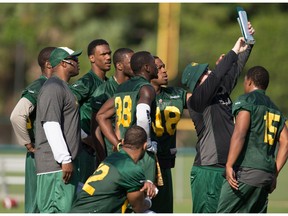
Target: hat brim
192, 74
76, 53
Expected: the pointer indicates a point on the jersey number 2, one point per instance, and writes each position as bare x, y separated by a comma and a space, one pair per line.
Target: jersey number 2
99, 174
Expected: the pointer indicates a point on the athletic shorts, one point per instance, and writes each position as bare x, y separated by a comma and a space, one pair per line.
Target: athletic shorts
206, 183
30, 184
248, 199
53, 195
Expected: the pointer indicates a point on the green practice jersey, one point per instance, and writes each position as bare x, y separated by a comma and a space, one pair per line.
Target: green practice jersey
99, 97
126, 99
103, 93
83, 88
265, 127
170, 104
106, 190
31, 93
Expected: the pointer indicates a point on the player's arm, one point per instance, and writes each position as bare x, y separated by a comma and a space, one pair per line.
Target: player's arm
18, 119
236, 144
138, 202
143, 108
59, 148
97, 139
103, 118
282, 155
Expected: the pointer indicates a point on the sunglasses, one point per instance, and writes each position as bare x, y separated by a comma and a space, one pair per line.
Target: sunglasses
73, 58
68, 62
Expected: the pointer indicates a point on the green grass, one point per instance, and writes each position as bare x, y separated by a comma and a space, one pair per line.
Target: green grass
278, 200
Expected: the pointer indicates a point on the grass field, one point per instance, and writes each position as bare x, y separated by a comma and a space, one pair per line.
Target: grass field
278, 200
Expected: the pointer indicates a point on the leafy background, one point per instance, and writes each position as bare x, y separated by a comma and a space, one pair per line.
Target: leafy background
206, 30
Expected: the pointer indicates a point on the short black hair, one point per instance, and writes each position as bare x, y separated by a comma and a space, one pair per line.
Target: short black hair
93, 44
44, 55
135, 137
119, 54
139, 59
260, 76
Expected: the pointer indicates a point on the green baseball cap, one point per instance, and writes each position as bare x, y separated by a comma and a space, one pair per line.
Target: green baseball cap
61, 53
192, 73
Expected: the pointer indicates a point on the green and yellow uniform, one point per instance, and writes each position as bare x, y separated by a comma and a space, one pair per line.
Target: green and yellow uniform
170, 104
106, 190
83, 88
126, 99
99, 97
255, 166
31, 93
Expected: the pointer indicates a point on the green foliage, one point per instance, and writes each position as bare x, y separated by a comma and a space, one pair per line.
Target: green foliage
206, 31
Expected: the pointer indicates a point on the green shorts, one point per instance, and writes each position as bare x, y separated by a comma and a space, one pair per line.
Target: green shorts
30, 184
206, 183
163, 202
248, 199
53, 195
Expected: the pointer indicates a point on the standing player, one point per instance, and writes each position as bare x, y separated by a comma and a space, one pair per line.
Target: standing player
210, 109
133, 102
170, 104
58, 135
22, 119
251, 169
123, 72
118, 180
99, 54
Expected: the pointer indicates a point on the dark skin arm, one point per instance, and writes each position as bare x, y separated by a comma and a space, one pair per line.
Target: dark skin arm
236, 144
97, 139
103, 118
146, 95
137, 201
67, 170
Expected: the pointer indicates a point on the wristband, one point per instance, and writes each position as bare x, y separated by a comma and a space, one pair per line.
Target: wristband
148, 200
118, 146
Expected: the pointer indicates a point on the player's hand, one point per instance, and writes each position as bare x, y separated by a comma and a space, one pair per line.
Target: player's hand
67, 170
230, 177
150, 189
251, 29
152, 146
30, 147
240, 46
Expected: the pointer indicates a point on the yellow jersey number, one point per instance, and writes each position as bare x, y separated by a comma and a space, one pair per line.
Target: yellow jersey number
99, 175
172, 116
123, 110
270, 130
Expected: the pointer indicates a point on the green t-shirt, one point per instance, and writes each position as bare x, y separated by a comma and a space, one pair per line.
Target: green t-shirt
99, 97
266, 124
170, 104
83, 88
31, 93
105, 91
106, 190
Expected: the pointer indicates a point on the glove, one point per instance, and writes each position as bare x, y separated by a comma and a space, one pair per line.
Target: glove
152, 146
